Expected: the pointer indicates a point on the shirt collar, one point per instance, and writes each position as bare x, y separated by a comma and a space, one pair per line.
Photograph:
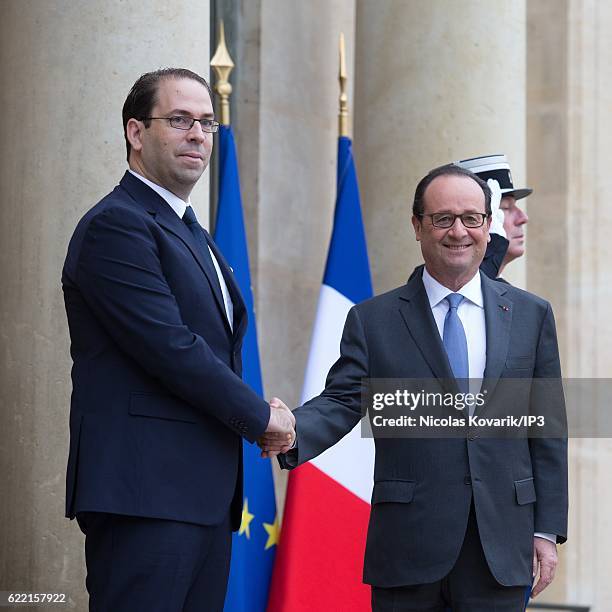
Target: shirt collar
436, 292
176, 204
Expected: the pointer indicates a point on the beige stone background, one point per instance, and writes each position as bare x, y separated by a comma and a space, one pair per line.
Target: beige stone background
430, 81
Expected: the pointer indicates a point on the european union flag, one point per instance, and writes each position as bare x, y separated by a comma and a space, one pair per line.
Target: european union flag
254, 546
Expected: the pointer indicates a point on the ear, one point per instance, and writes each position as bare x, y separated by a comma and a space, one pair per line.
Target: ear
134, 130
416, 223
489, 219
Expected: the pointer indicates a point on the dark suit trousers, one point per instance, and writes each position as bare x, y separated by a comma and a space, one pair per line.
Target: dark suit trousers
139, 564
470, 586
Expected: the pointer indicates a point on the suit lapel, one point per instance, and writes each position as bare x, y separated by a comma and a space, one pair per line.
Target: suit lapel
417, 315
170, 221
498, 317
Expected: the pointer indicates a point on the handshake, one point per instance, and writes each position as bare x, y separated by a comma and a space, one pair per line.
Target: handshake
280, 433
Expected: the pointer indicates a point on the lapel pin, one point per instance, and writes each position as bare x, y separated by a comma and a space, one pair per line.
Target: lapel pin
504, 308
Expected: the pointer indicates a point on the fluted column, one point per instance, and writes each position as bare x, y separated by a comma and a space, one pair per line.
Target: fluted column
66, 68
435, 81
569, 97
285, 110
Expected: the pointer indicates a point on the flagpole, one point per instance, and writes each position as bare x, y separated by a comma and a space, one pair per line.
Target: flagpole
222, 64
343, 115
254, 544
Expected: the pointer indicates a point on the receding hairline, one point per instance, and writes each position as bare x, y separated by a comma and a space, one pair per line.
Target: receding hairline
451, 176
175, 77
179, 77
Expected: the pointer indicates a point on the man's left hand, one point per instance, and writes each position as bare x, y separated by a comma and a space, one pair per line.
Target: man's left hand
544, 558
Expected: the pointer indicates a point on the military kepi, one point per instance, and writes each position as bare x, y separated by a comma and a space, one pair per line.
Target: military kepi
494, 167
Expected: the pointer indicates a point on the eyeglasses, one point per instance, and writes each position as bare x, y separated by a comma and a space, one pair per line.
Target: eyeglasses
446, 220
181, 122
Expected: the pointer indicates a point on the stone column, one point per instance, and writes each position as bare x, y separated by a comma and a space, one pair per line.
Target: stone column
547, 155
65, 71
285, 116
436, 81
569, 156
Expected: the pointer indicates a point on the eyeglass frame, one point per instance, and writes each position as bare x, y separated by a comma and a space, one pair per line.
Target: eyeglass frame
432, 215
211, 123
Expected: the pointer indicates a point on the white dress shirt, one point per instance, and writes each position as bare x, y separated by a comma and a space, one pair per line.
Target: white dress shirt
179, 207
472, 315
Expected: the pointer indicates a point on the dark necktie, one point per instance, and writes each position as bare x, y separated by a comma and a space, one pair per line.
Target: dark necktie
199, 234
455, 342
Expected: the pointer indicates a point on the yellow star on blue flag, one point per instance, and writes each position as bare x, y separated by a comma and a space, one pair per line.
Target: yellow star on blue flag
273, 532
247, 517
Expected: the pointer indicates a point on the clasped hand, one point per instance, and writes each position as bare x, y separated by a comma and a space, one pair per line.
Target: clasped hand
280, 433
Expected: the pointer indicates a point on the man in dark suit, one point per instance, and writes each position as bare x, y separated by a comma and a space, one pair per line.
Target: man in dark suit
158, 408
464, 521
506, 232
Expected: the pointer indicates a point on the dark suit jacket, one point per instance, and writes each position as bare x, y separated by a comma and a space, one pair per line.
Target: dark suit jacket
494, 255
158, 407
423, 487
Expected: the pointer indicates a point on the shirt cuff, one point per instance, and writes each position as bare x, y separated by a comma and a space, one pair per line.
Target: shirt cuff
551, 537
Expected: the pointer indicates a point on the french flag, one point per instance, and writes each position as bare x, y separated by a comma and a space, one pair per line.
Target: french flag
319, 560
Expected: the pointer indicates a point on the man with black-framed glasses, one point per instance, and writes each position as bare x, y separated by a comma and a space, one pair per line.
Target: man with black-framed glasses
158, 408
463, 521
506, 231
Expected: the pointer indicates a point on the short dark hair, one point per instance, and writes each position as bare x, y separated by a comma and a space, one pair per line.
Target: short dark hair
418, 206
143, 95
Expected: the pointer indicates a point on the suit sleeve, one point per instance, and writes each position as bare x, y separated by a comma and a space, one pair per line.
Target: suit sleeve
324, 420
549, 454
120, 276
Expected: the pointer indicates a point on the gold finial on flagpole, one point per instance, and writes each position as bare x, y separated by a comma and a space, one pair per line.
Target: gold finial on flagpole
343, 117
222, 64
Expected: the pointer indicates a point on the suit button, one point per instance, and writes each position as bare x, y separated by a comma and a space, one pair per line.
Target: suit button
467, 480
